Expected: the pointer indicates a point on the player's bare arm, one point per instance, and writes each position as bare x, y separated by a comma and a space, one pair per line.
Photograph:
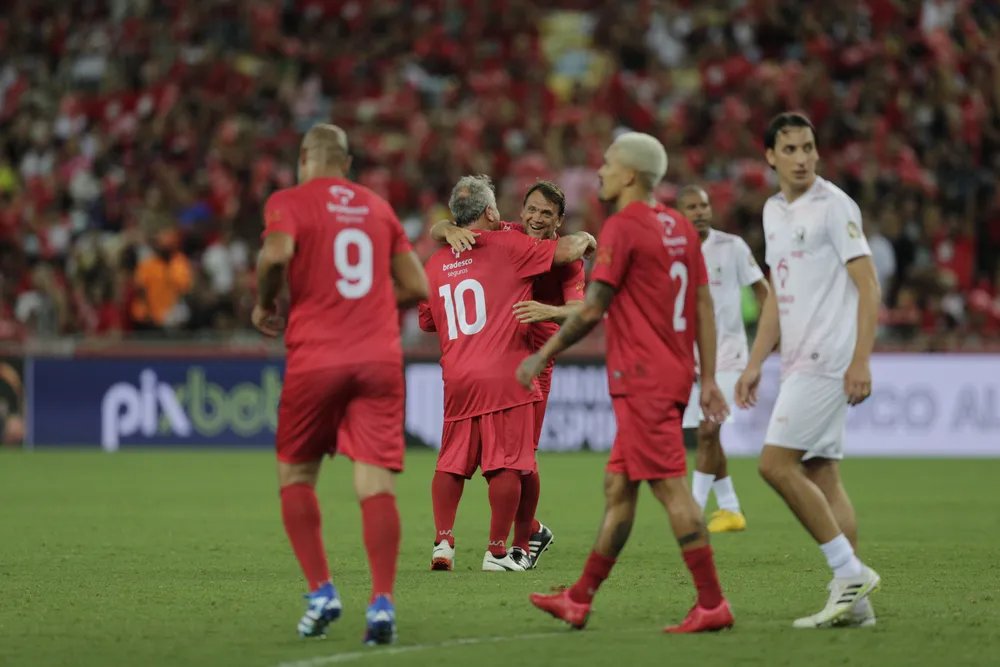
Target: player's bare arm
713, 403
760, 292
768, 335
409, 279
459, 238
576, 326
573, 247
528, 312
858, 378
271, 265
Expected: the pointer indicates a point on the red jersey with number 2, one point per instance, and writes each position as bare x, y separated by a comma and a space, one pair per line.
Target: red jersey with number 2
472, 309
343, 305
652, 256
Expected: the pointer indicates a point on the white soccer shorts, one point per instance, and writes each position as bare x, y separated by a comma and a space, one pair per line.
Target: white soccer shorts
810, 414
727, 383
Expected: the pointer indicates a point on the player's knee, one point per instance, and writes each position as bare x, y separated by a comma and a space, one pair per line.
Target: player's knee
298, 473
372, 480
619, 492
708, 434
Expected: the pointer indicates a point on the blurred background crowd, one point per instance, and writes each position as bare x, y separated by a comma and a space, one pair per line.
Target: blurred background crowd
140, 138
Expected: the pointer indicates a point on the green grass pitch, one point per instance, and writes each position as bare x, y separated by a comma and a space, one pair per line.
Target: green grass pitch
179, 558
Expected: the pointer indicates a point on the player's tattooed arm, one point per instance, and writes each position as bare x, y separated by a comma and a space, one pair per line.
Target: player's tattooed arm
274, 258
583, 321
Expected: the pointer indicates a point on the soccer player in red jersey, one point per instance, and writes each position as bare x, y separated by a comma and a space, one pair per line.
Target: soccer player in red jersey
489, 418
349, 266
556, 294
650, 281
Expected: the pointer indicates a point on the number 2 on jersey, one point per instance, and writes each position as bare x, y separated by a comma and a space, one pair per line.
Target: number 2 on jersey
679, 271
455, 311
355, 278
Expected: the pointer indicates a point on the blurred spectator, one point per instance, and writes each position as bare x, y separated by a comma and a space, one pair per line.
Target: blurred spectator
122, 118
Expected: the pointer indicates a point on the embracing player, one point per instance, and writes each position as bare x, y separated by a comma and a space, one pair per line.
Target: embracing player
555, 296
650, 280
349, 265
823, 308
731, 267
489, 417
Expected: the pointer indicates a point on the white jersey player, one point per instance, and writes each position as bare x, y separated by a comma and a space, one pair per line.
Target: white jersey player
731, 267
823, 308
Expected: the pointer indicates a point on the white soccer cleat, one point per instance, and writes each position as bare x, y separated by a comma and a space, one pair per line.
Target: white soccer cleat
443, 557
845, 594
492, 563
862, 616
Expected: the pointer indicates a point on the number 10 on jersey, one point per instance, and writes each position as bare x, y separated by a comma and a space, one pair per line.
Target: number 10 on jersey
456, 312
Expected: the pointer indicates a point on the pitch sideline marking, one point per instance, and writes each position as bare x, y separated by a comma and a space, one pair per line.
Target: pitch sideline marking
353, 656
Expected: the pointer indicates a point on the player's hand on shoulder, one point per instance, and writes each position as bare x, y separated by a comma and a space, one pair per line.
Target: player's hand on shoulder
459, 238
858, 382
267, 321
746, 388
529, 369
532, 311
713, 402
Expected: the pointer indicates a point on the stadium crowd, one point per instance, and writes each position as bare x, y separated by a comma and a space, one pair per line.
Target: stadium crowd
140, 139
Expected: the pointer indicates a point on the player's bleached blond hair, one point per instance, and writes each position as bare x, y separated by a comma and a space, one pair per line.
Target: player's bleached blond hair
645, 154
470, 197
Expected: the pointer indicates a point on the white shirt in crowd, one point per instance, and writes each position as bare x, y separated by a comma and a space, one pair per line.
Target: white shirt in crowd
809, 243
731, 267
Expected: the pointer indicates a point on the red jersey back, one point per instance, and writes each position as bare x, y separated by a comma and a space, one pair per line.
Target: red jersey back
652, 257
472, 309
342, 301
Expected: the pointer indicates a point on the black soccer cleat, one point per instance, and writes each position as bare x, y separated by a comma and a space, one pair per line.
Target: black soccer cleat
539, 543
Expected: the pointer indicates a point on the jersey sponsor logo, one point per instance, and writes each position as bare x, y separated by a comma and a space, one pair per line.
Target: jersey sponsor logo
799, 235
580, 286
604, 255
852, 230
456, 265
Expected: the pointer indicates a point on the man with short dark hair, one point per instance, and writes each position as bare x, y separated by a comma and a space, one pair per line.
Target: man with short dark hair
823, 308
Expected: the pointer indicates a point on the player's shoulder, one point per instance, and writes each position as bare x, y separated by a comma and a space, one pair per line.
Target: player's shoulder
834, 197
722, 238
511, 227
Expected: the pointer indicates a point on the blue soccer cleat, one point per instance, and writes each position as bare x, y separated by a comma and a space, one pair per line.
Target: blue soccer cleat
324, 608
381, 622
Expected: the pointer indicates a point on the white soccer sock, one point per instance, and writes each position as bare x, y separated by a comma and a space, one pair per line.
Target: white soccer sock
701, 486
840, 557
725, 494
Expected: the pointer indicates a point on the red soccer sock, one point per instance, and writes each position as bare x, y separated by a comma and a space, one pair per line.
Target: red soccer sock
597, 569
702, 565
505, 493
301, 516
524, 520
446, 492
380, 524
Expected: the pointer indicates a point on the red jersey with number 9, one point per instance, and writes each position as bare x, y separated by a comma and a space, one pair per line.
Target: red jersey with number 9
472, 309
652, 256
342, 306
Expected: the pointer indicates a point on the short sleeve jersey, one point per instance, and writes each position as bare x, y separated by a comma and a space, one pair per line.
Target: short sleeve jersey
471, 308
557, 287
342, 307
652, 256
731, 267
809, 243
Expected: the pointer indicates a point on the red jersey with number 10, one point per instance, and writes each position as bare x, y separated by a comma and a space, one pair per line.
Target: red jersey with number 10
343, 305
652, 256
472, 309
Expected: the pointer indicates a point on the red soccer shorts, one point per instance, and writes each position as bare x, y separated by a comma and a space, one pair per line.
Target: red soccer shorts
495, 441
540, 416
356, 410
650, 441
